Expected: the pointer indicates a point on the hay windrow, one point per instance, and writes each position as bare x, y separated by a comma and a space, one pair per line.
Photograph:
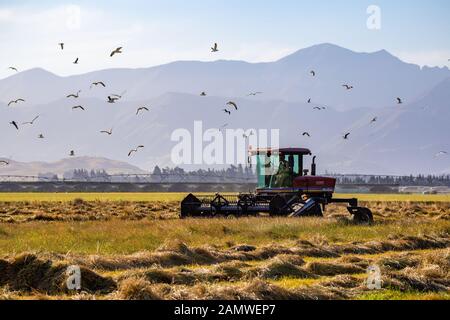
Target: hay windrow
398, 262
333, 269
180, 254
31, 273
408, 282
27, 273
279, 268
137, 289
343, 281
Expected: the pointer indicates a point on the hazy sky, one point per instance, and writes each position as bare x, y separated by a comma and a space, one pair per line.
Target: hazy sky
159, 31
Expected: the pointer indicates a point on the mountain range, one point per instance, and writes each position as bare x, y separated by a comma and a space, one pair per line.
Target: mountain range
67, 166
405, 138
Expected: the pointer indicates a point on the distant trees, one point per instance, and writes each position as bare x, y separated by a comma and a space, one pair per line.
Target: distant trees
85, 175
419, 180
236, 174
157, 171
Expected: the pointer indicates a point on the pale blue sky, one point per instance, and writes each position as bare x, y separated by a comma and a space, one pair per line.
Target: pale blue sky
160, 31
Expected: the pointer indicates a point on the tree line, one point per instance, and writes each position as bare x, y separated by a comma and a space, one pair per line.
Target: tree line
411, 180
236, 174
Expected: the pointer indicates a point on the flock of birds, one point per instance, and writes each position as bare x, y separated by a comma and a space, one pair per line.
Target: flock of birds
347, 87
346, 135
313, 73
113, 98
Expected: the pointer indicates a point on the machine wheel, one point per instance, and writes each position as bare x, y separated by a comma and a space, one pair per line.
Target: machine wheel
189, 206
315, 211
362, 216
277, 206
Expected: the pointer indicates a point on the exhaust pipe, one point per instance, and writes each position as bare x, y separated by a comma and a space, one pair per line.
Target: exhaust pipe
313, 166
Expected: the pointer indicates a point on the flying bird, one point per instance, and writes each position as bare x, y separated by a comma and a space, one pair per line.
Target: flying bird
374, 120
309, 100
112, 99
116, 51
74, 95
72, 153
254, 93
13, 68
61, 45
15, 101
6, 163
223, 127
317, 108
306, 134
214, 48
226, 111
313, 73
108, 132
134, 150
14, 124
78, 107
346, 136
76, 61
101, 83
203, 94
41, 136
441, 153
32, 121
399, 101
141, 109
249, 135
232, 104
348, 87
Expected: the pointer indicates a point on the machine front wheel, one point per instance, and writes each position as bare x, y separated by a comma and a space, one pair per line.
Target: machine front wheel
278, 206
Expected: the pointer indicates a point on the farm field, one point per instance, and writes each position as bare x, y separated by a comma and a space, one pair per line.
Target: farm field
133, 246
15, 197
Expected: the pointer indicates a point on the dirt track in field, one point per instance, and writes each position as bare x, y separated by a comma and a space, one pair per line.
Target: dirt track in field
79, 210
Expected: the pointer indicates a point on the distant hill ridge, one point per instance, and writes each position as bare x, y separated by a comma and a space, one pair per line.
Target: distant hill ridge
69, 164
404, 139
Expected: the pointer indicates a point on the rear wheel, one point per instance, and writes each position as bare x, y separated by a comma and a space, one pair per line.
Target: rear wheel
362, 216
277, 206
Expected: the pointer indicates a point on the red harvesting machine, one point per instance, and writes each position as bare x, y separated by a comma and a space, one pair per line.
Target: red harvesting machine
285, 188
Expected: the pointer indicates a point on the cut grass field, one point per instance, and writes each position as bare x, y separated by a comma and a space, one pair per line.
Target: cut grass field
133, 246
412, 267
156, 196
